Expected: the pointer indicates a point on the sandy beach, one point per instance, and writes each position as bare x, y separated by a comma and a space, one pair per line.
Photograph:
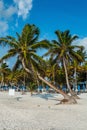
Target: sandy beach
23, 112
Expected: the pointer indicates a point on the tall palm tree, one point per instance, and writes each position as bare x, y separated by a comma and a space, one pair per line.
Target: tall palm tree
24, 47
63, 50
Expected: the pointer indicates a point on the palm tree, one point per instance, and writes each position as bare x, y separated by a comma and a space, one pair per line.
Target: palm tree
24, 47
4, 70
16, 77
76, 63
54, 72
63, 50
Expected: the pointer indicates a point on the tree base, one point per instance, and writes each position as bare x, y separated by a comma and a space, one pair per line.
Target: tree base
74, 95
71, 100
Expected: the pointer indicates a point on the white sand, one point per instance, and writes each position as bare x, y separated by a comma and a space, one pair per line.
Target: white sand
23, 112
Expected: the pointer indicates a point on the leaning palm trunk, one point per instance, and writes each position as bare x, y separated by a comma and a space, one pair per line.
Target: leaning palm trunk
67, 81
68, 99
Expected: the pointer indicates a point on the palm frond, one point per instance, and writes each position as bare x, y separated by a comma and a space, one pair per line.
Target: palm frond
59, 36
42, 44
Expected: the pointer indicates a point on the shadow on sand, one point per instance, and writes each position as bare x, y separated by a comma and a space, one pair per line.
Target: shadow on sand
46, 96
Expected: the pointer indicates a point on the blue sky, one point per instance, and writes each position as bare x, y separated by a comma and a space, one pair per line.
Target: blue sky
48, 15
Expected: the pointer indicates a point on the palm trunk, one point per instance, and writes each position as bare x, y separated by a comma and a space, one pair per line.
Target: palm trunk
66, 74
67, 97
3, 79
24, 80
53, 87
67, 81
75, 78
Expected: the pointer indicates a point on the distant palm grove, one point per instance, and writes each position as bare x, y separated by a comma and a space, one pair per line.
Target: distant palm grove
64, 65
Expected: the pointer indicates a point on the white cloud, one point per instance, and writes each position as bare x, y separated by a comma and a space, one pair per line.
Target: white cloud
6, 12
21, 8
82, 42
10, 12
3, 27
24, 7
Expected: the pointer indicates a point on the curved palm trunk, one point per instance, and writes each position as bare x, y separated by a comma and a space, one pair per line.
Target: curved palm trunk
66, 74
53, 87
67, 80
67, 97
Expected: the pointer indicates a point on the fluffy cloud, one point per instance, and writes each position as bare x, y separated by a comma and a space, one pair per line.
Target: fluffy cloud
24, 7
6, 12
20, 8
82, 42
3, 27
10, 12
